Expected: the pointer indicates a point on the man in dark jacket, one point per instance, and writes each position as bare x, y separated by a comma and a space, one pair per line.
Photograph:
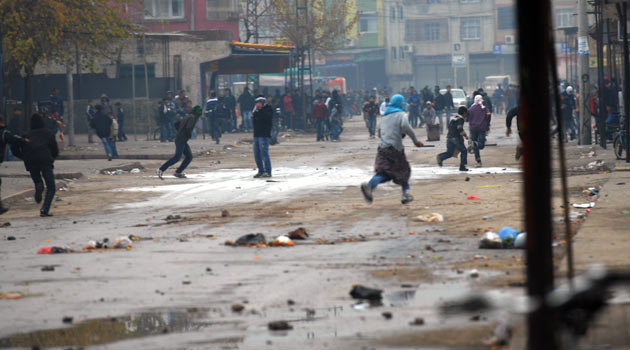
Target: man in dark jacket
370, 110
184, 133
513, 113
38, 154
120, 117
102, 124
455, 139
262, 118
479, 119
246, 105
230, 103
6, 138
447, 100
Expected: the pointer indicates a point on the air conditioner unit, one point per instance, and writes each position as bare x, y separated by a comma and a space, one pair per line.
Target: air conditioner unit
410, 49
509, 39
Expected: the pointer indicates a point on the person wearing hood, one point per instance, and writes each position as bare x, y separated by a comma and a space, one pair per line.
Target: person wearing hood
455, 139
262, 118
184, 133
479, 120
391, 163
39, 154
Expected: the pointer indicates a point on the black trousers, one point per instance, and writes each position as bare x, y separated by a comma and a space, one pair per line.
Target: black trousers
37, 173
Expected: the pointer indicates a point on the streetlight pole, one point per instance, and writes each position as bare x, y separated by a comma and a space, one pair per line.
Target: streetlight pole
584, 79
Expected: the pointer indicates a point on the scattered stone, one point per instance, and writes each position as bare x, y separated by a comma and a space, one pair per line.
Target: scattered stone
238, 307
173, 217
467, 179
6, 224
208, 269
279, 326
11, 238
475, 318
67, 319
361, 292
225, 213
406, 286
419, 321
48, 268
441, 240
429, 248
309, 313
290, 302
186, 282
388, 315
474, 273
300, 233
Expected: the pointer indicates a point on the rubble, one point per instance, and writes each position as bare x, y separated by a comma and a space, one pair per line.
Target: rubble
300, 233
279, 326
418, 321
360, 292
433, 217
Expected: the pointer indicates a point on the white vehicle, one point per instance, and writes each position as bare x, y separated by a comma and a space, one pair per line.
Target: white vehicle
491, 82
459, 97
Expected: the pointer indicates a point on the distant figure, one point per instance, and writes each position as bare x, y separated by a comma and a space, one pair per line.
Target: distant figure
56, 110
230, 103
371, 110
335, 106
414, 102
246, 105
39, 154
319, 115
262, 118
102, 124
7, 138
120, 118
89, 115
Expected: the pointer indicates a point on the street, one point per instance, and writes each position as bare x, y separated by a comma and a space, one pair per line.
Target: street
181, 287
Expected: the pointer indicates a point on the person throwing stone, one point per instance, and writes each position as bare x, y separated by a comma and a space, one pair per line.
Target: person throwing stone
184, 133
455, 139
391, 163
262, 118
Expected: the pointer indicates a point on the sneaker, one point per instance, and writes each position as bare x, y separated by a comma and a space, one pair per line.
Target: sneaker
160, 173
463, 168
45, 215
109, 157
406, 198
478, 165
259, 175
39, 189
266, 175
439, 160
366, 189
180, 175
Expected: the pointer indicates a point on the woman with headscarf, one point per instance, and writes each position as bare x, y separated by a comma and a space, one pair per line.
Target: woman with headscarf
391, 163
479, 119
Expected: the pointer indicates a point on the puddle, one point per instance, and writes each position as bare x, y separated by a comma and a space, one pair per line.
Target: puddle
109, 330
236, 186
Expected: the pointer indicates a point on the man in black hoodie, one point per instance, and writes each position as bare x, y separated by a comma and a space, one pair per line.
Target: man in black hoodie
38, 154
102, 124
6, 138
455, 139
184, 133
262, 118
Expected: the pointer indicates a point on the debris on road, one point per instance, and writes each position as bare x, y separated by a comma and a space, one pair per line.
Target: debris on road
508, 236
11, 238
122, 243
279, 326
225, 213
53, 250
173, 217
521, 241
474, 273
471, 197
418, 321
67, 319
489, 186
48, 268
238, 308
134, 171
486, 218
360, 292
249, 240
584, 205
387, 315
283, 241
11, 296
433, 217
591, 191
300, 233
490, 240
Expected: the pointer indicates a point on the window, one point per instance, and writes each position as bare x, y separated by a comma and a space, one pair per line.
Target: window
125, 71
470, 28
564, 18
163, 9
423, 30
221, 9
368, 23
506, 18
392, 14
401, 16
401, 52
432, 31
393, 53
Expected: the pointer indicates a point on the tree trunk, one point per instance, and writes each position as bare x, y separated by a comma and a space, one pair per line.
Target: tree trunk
70, 110
28, 100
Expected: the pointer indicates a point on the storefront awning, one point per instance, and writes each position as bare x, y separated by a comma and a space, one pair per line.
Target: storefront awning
247, 58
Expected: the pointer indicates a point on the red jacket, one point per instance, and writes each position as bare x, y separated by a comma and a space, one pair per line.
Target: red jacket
319, 111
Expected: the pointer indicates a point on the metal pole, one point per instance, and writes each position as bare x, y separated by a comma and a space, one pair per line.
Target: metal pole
146, 83
623, 16
600, 71
534, 25
133, 88
584, 79
3, 101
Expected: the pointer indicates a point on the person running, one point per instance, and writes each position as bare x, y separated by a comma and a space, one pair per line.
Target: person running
511, 114
38, 154
391, 163
455, 139
262, 118
6, 138
479, 120
371, 110
184, 133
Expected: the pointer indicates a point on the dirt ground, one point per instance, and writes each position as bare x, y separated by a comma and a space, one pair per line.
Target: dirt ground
177, 286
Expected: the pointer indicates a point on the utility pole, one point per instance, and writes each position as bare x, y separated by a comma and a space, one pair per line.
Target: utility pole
303, 50
599, 20
585, 110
